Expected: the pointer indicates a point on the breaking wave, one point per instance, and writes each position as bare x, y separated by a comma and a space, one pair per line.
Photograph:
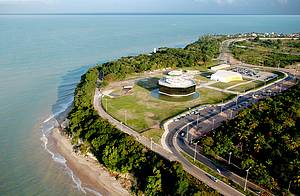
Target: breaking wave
59, 110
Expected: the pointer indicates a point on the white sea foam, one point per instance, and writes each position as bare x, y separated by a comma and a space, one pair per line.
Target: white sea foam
48, 125
63, 107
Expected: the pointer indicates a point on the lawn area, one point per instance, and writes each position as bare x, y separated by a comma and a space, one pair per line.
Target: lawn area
249, 86
223, 85
201, 78
143, 112
155, 134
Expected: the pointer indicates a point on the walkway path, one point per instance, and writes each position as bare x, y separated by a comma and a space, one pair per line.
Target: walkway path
243, 83
189, 167
143, 140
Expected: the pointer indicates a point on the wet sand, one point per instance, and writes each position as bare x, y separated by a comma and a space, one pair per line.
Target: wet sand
91, 174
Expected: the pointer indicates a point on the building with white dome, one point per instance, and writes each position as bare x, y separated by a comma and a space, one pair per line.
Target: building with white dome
226, 76
176, 86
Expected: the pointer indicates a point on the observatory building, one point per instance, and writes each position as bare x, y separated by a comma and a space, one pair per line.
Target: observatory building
176, 85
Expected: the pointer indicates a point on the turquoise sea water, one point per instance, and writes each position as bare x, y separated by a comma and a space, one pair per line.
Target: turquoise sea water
42, 58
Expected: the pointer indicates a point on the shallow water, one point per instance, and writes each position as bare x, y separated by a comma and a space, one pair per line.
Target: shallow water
41, 60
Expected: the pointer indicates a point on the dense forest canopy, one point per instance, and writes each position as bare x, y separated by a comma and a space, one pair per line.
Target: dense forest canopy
120, 152
266, 52
266, 137
198, 53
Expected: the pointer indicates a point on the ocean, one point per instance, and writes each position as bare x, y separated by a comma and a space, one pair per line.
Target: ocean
42, 58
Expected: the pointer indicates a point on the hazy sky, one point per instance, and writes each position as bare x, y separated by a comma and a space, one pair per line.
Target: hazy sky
169, 6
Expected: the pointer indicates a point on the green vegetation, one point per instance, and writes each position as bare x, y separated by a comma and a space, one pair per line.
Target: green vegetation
155, 134
223, 85
119, 152
196, 54
265, 137
216, 174
144, 111
272, 53
248, 86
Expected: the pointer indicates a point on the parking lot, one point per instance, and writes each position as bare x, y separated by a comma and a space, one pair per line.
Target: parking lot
204, 119
255, 74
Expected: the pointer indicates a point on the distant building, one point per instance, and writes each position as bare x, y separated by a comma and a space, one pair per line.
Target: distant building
219, 67
176, 86
226, 76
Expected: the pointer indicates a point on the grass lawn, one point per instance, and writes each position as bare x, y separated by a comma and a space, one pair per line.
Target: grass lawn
223, 85
155, 134
200, 78
142, 111
246, 87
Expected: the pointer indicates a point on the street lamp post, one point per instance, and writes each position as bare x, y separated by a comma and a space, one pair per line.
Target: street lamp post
213, 124
280, 88
245, 187
195, 152
106, 104
231, 113
236, 101
222, 106
229, 158
198, 119
289, 186
151, 143
187, 133
125, 117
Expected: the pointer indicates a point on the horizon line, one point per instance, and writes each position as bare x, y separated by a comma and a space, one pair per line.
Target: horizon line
138, 13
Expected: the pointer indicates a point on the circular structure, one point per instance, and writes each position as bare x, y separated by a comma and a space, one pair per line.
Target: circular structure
156, 94
176, 86
175, 73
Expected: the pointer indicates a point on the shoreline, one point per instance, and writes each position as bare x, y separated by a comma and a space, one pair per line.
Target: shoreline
91, 174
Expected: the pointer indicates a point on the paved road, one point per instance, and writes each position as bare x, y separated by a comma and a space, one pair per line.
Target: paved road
143, 140
174, 144
214, 112
215, 116
189, 167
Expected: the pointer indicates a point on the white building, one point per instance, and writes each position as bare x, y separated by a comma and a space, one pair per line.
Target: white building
176, 86
226, 76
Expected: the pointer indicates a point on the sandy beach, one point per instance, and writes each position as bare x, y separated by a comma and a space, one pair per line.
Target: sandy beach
88, 170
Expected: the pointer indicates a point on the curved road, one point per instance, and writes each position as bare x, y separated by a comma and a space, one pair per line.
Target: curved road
174, 143
213, 114
175, 156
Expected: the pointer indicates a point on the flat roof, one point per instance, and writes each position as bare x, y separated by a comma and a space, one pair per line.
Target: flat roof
175, 73
224, 73
176, 82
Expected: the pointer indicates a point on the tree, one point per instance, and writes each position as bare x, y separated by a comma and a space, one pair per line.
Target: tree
154, 183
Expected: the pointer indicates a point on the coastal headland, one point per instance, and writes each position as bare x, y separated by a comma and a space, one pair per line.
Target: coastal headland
120, 154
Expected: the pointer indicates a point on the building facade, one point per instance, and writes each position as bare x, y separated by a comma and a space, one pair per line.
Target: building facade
176, 86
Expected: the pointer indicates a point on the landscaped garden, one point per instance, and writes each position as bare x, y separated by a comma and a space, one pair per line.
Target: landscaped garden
144, 112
